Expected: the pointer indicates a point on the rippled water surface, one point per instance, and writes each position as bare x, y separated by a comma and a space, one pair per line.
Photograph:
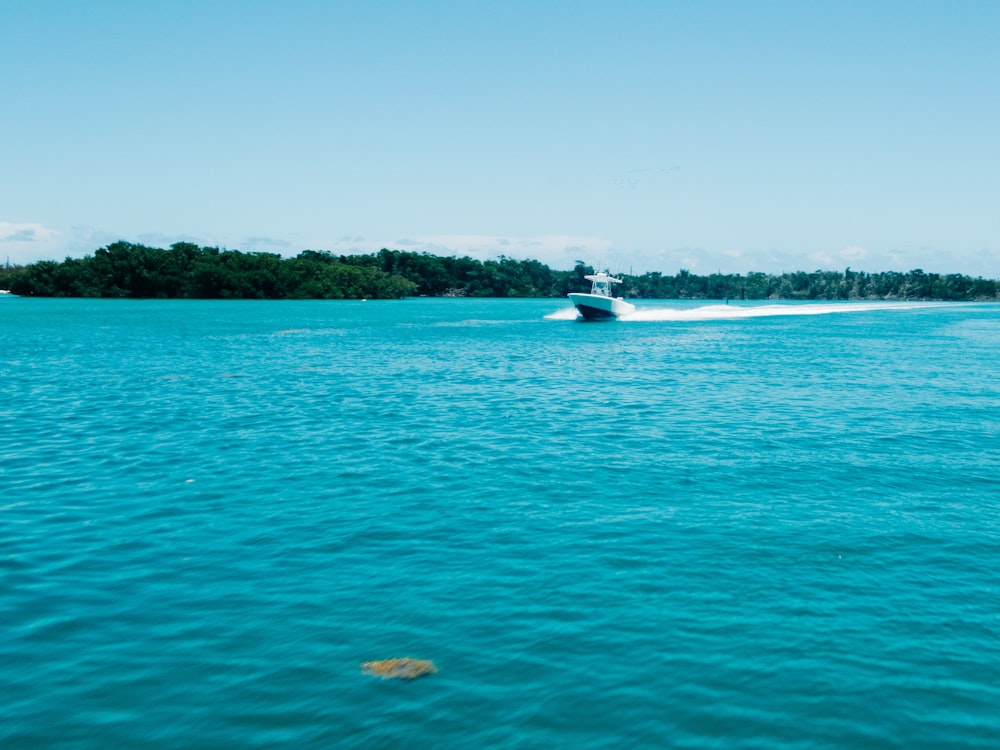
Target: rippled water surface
701, 527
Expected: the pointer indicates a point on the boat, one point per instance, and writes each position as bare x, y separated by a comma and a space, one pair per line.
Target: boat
601, 304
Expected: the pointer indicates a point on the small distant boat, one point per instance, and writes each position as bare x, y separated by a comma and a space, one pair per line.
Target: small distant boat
601, 304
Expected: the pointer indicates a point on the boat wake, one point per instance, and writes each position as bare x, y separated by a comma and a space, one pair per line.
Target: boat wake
568, 313
739, 312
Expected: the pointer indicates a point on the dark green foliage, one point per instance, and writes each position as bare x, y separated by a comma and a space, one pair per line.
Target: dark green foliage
123, 269
818, 285
188, 271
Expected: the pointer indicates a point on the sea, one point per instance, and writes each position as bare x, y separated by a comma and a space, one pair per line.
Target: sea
707, 525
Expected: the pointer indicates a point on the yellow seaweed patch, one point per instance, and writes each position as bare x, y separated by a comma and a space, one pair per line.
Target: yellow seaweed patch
405, 668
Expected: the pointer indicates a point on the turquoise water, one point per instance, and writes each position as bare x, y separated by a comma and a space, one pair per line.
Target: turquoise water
708, 526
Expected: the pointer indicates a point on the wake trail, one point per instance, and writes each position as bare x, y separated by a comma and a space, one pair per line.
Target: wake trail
568, 313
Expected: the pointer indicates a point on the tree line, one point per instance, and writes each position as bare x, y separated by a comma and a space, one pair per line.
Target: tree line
185, 270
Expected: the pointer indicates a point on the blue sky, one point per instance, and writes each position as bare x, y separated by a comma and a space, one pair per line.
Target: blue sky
735, 136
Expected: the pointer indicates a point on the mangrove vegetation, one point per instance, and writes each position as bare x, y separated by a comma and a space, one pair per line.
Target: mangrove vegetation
186, 270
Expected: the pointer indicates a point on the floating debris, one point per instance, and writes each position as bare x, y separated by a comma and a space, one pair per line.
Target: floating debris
405, 668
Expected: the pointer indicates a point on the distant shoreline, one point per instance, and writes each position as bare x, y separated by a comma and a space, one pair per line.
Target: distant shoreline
187, 271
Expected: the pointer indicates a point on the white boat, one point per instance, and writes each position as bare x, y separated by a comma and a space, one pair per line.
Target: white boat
601, 304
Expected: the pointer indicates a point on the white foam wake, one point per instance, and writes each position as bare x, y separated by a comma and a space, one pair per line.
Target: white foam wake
737, 312
568, 313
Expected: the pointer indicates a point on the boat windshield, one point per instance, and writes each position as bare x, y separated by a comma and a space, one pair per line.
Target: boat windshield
602, 284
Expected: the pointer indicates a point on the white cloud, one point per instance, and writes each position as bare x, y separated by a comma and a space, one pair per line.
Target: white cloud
854, 254
982, 262
266, 244
23, 243
24, 233
558, 251
820, 260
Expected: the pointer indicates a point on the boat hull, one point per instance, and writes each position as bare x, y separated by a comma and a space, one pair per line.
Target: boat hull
597, 307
